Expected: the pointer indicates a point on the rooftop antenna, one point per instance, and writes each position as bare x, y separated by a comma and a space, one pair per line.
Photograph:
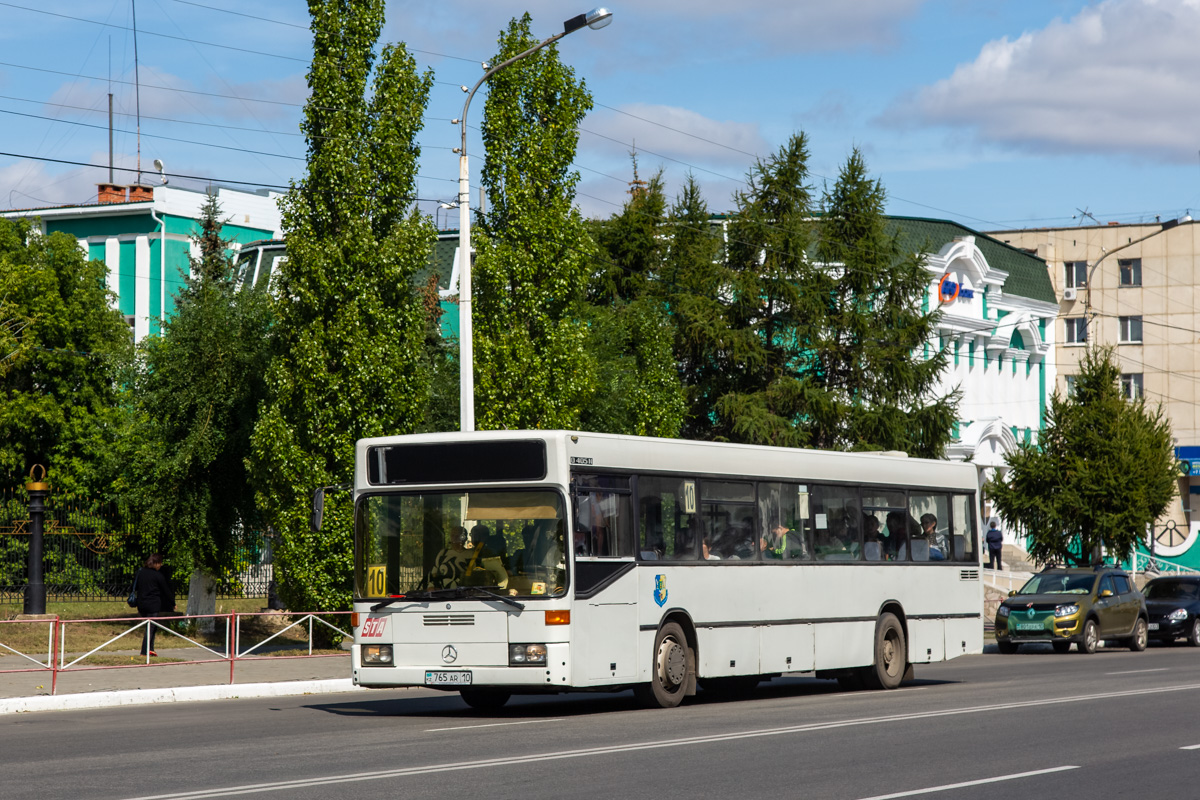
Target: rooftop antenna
137, 84
1083, 212
110, 120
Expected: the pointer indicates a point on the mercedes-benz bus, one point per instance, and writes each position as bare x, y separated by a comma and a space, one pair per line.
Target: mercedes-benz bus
518, 562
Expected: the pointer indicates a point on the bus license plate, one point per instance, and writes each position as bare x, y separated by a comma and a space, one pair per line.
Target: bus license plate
445, 678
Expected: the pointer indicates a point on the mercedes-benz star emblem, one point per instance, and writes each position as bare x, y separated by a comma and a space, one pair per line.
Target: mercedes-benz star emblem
449, 654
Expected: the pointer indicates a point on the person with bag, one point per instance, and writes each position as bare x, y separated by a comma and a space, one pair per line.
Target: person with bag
154, 597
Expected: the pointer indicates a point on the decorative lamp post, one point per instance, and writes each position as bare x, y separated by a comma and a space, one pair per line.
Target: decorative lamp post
35, 591
596, 18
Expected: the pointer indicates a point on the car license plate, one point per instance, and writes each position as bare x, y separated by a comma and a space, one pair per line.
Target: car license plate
1153, 626
446, 678
1030, 626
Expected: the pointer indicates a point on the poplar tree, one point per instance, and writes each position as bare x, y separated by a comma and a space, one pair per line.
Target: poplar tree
533, 249
1102, 470
348, 360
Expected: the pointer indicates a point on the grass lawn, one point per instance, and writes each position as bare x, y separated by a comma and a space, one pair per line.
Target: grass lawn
32, 638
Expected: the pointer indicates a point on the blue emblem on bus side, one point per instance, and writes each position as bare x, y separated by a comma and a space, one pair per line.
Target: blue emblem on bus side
660, 589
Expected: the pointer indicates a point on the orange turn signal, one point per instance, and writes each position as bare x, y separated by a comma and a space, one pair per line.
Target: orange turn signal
353, 619
558, 617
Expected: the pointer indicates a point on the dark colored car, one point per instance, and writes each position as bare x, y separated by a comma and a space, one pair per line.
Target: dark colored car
1080, 606
1174, 606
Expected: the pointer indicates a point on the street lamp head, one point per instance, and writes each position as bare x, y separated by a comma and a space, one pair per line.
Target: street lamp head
597, 18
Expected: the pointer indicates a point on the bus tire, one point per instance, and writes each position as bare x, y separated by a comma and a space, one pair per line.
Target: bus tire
673, 666
485, 699
891, 654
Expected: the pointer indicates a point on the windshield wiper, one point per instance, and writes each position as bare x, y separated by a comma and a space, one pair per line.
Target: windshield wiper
458, 592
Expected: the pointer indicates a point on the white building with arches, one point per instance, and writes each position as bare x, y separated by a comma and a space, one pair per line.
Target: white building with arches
998, 310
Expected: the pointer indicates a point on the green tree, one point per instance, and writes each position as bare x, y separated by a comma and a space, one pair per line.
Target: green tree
630, 336
1103, 470
870, 371
758, 388
60, 403
197, 404
348, 359
533, 251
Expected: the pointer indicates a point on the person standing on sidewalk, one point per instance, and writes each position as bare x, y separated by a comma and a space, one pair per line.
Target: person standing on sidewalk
154, 597
995, 541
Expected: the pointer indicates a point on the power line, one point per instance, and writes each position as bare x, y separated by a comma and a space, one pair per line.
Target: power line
241, 14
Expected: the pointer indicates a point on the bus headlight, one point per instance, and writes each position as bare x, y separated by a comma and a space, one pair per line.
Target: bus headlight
377, 655
526, 655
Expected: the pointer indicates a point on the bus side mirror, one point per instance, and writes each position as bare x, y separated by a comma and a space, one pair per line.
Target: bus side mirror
318, 509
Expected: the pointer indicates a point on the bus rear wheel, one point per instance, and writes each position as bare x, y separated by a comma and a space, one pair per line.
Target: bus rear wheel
485, 699
673, 668
891, 654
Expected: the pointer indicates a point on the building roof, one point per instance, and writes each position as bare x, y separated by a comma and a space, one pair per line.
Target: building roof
1028, 275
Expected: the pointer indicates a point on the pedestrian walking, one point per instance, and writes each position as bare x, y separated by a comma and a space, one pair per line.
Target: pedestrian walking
155, 598
995, 541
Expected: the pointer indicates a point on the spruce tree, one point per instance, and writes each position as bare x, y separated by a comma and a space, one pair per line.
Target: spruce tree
348, 356
1102, 471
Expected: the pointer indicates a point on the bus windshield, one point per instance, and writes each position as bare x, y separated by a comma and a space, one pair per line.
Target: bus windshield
510, 541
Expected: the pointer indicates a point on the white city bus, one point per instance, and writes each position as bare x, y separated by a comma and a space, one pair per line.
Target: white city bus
516, 562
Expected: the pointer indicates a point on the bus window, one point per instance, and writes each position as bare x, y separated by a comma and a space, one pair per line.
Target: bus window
836, 521
603, 520
668, 521
963, 541
932, 513
727, 515
886, 524
783, 521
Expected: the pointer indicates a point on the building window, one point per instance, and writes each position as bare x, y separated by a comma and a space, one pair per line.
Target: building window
1076, 274
1131, 271
1071, 384
1131, 330
130, 320
1076, 330
1131, 385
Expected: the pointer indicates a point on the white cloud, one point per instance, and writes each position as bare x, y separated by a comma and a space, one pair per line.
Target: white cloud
1117, 77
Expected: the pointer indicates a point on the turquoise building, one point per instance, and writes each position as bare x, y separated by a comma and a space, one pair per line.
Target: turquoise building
143, 234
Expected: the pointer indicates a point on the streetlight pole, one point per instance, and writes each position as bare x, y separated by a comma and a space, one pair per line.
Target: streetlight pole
1087, 294
596, 18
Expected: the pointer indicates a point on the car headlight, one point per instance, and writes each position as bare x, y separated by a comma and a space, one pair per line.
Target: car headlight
1178, 614
526, 655
377, 655
1066, 611
1002, 611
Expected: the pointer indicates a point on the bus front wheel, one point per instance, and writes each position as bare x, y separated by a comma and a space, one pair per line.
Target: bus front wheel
672, 670
891, 654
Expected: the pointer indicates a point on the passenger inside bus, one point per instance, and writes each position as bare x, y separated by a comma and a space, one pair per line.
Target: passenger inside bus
451, 561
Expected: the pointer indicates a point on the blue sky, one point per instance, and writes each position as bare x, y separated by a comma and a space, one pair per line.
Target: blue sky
998, 115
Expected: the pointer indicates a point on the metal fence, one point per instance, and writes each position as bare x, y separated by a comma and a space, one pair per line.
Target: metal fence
92, 550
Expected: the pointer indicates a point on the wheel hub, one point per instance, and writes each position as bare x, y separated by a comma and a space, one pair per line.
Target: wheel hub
672, 663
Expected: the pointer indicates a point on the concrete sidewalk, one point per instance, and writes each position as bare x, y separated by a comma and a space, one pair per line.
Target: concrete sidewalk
176, 681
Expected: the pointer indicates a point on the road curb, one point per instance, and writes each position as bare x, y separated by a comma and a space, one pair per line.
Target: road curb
179, 694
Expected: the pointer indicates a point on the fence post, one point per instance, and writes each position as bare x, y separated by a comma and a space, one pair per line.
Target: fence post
55, 633
234, 651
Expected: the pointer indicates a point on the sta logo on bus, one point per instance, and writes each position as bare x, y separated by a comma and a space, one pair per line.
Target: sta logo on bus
660, 589
373, 628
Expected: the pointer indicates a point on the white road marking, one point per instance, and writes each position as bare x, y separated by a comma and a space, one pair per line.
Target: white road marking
1139, 671
1191, 747
980, 782
508, 761
492, 725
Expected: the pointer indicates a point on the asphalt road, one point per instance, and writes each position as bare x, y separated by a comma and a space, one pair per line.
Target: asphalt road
1031, 725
